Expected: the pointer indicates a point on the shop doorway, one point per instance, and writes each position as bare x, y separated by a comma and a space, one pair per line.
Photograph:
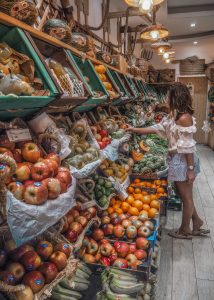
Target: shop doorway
198, 87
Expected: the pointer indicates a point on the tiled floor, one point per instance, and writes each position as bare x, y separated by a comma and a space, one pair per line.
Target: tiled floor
187, 267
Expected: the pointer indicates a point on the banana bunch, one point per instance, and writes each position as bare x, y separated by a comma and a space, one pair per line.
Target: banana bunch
117, 284
71, 289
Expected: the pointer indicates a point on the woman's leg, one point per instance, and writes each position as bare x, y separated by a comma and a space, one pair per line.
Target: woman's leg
186, 194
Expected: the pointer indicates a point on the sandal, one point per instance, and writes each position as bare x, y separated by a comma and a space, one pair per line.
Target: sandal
180, 235
200, 232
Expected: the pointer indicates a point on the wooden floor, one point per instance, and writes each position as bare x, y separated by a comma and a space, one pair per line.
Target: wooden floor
187, 267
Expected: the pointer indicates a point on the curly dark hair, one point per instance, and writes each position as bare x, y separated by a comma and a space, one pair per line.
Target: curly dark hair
180, 99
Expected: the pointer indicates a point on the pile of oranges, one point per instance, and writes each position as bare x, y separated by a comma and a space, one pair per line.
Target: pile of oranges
140, 201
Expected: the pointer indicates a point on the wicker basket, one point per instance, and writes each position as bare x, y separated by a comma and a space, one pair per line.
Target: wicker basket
46, 291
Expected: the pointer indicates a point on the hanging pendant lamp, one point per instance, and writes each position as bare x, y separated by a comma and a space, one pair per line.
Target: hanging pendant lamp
161, 47
154, 32
145, 6
134, 3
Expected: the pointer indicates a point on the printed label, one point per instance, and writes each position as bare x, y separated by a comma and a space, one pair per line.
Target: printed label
19, 135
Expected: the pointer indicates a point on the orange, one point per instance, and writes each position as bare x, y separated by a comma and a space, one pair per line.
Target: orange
152, 212
130, 190
157, 182
138, 204
148, 184
130, 199
138, 196
144, 212
110, 210
146, 207
113, 201
133, 211
137, 191
144, 193
125, 207
137, 181
153, 197
119, 211
160, 190
146, 199
115, 206
155, 204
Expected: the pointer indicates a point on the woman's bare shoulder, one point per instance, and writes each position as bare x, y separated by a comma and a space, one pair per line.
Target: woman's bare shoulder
185, 120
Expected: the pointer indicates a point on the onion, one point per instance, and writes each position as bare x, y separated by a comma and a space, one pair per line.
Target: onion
26, 294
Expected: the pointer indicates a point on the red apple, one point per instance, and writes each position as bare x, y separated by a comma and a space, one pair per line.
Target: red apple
122, 217
35, 194
132, 248
76, 227
28, 164
92, 247
115, 221
103, 133
6, 152
106, 249
113, 215
105, 220
40, 171
70, 218
17, 189
120, 263
143, 217
28, 182
98, 234
131, 259
133, 218
87, 215
55, 157
82, 220
117, 245
59, 259
149, 224
63, 247
9, 246
131, 232
105, 261
71, 236
3, 257
74, 213
126, 223
144, 231
108, 229
89, 259
44, 249
137, 223
31, 152
93, 211
22, 172
31, 260
119, 231
140, 254
142, 243
123, 250
135, 264
17, 155
17, 270
112, 258
53, 186
35, 280
52, 165
65, 178
7, 277
19, 252
49, 271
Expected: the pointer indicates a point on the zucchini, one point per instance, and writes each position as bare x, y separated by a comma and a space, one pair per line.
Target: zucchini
82, 274
73, 285
67, 291
84, 268
123, 288
79, 279
112, 296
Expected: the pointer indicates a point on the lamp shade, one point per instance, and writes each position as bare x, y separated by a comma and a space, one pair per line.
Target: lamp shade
154, 33
145, 6
161, 47
157, 2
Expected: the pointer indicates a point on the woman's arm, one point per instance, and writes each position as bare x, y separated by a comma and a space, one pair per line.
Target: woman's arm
141, 131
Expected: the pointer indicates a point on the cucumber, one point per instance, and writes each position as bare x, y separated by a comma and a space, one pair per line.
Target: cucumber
122, 288
82, 274
57, 296
73, 285
64, 291
123, 273
84, 268
112, 296
80, 279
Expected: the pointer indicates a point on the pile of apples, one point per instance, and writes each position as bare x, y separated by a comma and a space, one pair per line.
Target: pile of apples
126, 227
76, 222
37, 178
102, 137
98, 250
33, 266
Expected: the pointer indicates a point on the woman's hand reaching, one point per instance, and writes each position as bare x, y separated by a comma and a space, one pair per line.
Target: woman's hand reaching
130, 129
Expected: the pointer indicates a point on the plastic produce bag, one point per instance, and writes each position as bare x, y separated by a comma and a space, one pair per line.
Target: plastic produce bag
27, 221
111, 151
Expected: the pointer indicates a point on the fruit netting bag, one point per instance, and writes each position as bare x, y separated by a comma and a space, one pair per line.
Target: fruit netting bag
28, 221
111, 151
85, 155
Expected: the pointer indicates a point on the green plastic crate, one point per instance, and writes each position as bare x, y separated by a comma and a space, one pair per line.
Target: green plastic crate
119, 82
17, 39
127, 85
133, 86
86, 68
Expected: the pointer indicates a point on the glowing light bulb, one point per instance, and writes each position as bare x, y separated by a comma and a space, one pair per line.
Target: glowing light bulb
154, 34
146, 6
161, 50
168, 61
166, 55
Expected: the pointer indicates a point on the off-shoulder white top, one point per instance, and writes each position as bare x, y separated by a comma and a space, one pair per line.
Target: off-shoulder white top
180, 138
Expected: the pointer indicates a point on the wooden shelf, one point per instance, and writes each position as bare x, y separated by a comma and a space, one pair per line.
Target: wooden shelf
9, 21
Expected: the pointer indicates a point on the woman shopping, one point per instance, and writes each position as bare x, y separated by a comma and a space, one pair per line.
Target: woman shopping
178, 129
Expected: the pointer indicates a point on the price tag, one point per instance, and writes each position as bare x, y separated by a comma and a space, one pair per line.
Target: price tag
19, 135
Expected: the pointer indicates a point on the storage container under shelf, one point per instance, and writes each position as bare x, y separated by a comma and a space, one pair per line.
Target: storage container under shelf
73, 90
12, 106
93, 83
